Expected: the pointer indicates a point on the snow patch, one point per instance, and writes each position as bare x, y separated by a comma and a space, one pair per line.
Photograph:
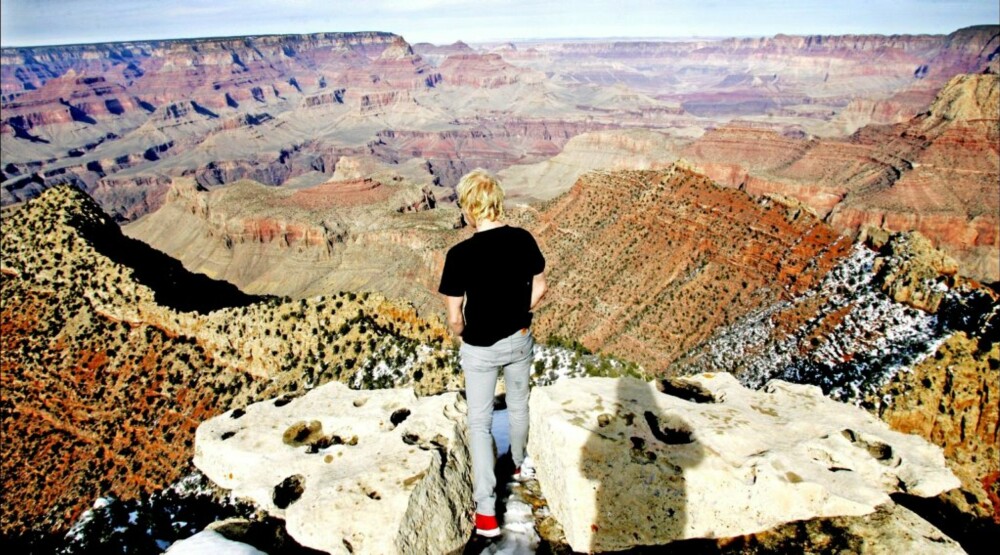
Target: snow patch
208, 542
874, 338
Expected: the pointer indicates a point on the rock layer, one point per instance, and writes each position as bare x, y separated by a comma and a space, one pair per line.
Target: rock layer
708, 462
603, 150
937, 173
274, 108
350, 471
347, 234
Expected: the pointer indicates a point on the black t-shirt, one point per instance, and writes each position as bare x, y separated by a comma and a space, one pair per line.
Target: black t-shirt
494, 270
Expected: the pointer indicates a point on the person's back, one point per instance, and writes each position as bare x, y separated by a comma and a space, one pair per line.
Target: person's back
499, 275
494, 269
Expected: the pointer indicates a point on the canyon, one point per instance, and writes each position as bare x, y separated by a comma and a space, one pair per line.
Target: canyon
239, 349
194, 226
123, 120
936, 173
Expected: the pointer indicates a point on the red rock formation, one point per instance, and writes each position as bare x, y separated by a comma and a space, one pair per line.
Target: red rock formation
122, 100
938, 173
103, 80
645, 265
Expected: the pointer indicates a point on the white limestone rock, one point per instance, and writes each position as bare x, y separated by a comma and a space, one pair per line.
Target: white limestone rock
624, 464
350, 471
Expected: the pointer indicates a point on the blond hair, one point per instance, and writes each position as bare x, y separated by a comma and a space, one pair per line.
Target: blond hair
480, 196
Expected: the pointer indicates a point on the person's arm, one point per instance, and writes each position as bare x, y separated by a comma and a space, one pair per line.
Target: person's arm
537, 289
456, 320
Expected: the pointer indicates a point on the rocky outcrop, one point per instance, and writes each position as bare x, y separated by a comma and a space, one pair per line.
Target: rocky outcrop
332, 97
351, 233
350, 471
912, 271
898, 332
950, 399
890, 529
948, 188
898, 108
379, 102
210, 541
705, 450
128, 198
480, 143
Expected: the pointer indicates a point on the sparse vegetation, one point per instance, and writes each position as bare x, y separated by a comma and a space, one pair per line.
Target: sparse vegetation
642, 266
120, 373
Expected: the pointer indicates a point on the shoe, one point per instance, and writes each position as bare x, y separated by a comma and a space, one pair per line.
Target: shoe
526, 471
486, 526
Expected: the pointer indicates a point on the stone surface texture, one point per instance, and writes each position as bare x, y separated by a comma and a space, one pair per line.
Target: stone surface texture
624, 464
350, 471
910, 269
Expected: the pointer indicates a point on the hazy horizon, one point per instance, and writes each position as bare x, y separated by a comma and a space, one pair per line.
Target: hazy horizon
64, 22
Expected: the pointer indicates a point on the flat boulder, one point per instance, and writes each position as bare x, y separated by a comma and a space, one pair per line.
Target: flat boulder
369, 471
626, 463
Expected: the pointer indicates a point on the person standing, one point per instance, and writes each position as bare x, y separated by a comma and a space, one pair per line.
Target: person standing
491, 282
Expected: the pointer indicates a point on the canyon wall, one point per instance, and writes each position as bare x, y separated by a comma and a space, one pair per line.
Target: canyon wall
132, 115
937, 173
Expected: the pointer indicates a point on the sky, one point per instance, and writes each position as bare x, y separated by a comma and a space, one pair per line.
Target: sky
40, 22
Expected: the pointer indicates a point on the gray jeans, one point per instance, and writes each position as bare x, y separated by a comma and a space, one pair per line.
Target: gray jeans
481, 365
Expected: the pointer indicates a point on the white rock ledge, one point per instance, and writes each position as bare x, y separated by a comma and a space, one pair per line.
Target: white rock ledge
350, 471
623, 464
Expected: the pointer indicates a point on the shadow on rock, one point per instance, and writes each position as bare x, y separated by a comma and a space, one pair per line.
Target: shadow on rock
636, 461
